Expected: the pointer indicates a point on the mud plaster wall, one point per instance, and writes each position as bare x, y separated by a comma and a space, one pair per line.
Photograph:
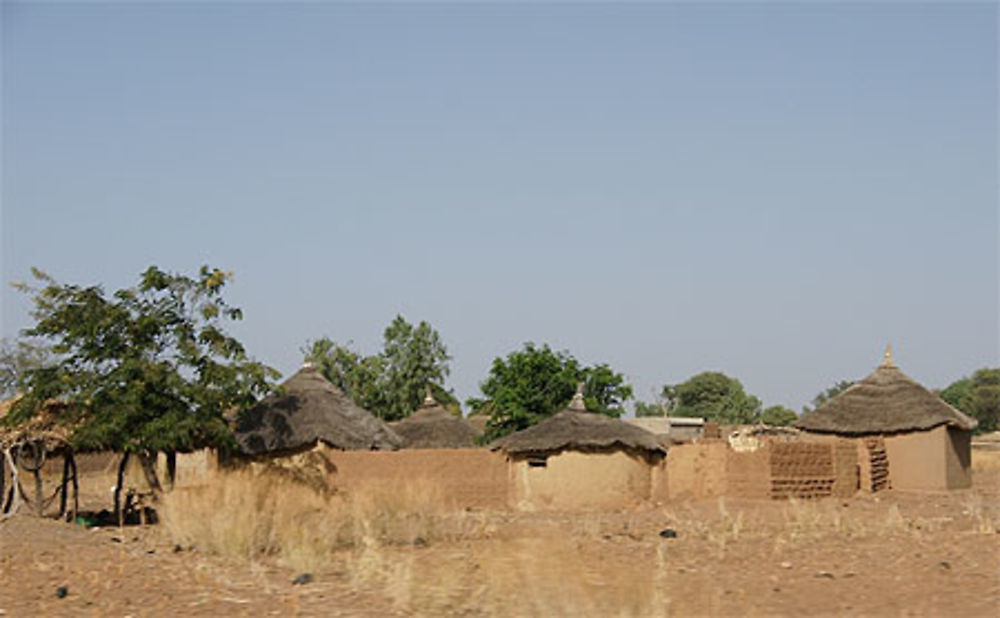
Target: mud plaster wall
696, 471
464, 477
958, 457
917, 459
574, 480
748, 474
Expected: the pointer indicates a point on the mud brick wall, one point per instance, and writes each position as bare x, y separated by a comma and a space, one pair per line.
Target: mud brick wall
748, 474
467, 477
846, 469
696, 471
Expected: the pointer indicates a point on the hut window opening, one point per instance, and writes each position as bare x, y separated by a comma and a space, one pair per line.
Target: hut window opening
538, 461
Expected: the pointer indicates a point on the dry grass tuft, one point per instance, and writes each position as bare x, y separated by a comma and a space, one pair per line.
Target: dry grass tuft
985, 460
248, 516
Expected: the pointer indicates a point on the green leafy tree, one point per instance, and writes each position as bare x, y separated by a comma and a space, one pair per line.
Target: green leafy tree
146, 369
979, 397
778, 415
391, 384
533, 383
643, 408
16, 358
828, 394
716, 397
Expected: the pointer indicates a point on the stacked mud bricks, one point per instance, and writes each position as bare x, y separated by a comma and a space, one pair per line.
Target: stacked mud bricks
813, 470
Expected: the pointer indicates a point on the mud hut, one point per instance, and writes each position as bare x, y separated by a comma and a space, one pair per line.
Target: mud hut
909, 437
579, 459
432, 426
308, 411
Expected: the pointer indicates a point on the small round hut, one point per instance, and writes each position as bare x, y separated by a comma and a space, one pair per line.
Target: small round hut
306, 411
909, 437
432, 426
580, 459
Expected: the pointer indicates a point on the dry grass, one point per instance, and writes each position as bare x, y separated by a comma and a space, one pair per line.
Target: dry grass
985, 460
250, 516
530, 564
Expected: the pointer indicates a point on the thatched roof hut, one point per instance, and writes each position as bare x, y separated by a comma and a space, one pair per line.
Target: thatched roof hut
308, 409
576, 429
432, 426
886, 402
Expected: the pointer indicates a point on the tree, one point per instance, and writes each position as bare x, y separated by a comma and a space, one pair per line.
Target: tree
533, 383
716, 397
643, 408
778, 415
390, 384
978, 396
16, 358
828, 394
147, 369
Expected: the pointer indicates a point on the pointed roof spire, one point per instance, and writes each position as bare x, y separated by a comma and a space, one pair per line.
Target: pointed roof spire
887, 357
308, 364
429, 400
577, 402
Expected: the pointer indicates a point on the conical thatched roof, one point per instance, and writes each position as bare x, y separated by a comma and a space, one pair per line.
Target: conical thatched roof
307, 409
887, 401
576, 429
434, 427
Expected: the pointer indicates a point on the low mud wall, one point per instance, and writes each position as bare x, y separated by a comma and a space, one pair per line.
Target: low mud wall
465, 478
777, 469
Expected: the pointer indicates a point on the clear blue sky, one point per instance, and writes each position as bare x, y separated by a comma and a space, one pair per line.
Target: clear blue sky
770, 190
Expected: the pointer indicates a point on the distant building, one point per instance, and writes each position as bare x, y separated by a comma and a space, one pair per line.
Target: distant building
676, 428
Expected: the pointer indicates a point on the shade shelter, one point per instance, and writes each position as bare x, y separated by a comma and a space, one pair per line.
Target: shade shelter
25, 447
432, 426
911, 437
308, 410
580, 459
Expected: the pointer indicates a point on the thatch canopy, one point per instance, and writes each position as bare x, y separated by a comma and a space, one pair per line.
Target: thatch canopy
43, 427
887, 401
432, 426
576, 429
308, 409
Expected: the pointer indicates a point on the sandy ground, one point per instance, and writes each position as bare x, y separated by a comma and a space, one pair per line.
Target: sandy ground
893, 554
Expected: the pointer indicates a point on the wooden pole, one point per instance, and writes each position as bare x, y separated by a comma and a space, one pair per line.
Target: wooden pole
3, 481
11, 505
171, 468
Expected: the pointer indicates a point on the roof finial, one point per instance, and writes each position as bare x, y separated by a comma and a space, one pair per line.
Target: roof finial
428, 397
308, 364
577, 402
887, 357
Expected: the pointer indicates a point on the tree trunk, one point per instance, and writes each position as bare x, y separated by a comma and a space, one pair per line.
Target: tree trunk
76, 487
62, 484
3, 481
119, 483
171, 468
10, 505
149, 471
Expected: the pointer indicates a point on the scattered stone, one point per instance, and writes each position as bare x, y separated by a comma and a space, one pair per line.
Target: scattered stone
178, 549
62, 591
668, 533
776, 589
826, 575
420, 542
115, 539
944, 564
303, 579
786, 565
150, 551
